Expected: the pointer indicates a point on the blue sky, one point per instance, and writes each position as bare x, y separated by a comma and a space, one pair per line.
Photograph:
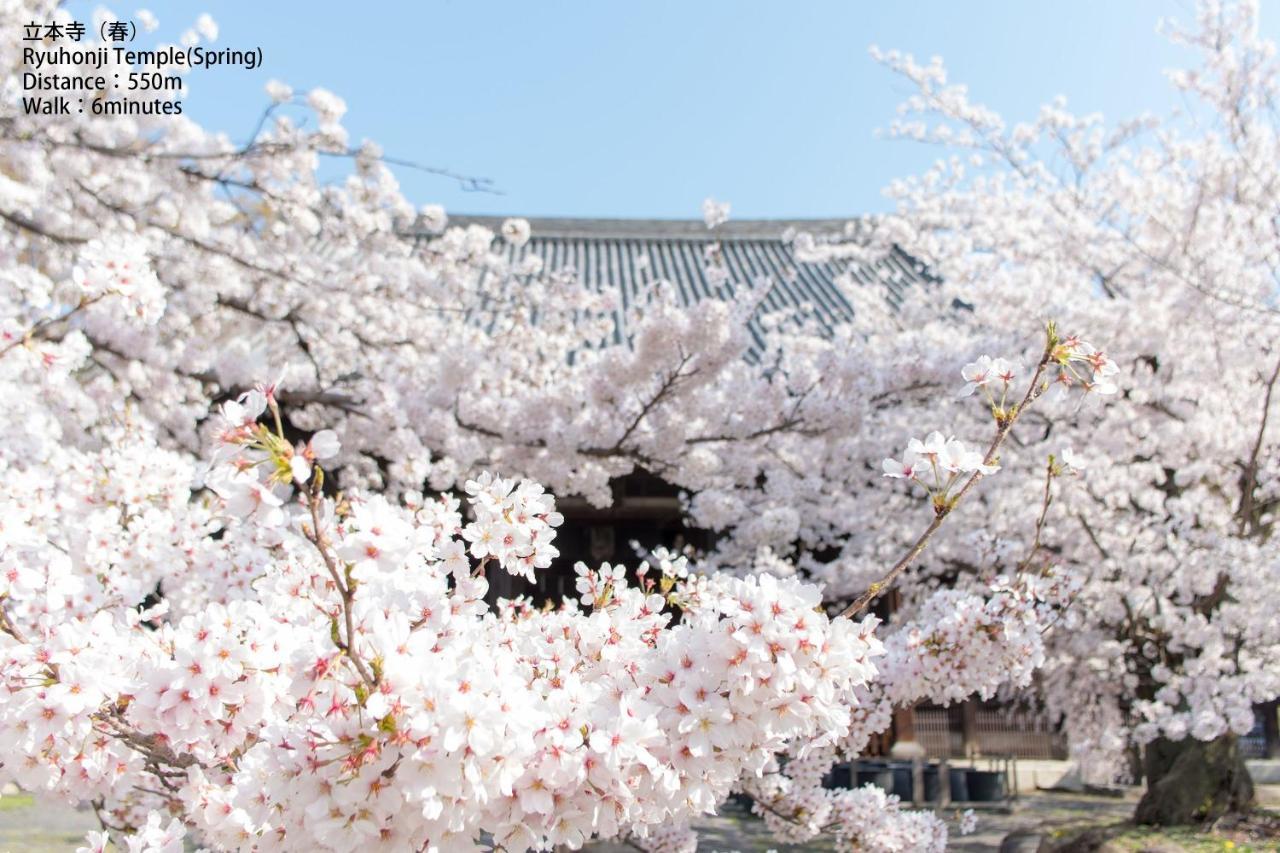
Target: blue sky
643, 109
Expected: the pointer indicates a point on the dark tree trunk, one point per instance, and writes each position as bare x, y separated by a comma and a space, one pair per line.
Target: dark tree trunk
1192, 781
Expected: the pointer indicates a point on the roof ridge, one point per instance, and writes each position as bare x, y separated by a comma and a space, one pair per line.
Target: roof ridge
661, 229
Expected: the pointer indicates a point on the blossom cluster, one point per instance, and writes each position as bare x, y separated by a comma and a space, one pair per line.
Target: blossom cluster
154, 837
514, 524
865, 820
937, 463
1081, 364
1149, 233
575, 725
292, 645
358, 691
988, 374
121, 268
959, 645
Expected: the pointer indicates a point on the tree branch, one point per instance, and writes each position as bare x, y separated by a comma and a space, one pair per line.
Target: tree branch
1249, 484
943, 510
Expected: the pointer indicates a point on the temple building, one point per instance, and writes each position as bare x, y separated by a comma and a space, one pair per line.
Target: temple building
618, 254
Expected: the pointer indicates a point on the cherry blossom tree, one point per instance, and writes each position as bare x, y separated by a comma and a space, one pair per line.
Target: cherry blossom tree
249, 516
203, 341
323, 671
1160, 235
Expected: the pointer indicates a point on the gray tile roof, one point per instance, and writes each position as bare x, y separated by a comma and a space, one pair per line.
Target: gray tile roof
605, 253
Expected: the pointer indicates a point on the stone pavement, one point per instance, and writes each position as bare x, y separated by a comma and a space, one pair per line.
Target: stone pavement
735, 831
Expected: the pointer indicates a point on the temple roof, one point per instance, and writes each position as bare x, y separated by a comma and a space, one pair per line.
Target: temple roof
608, 253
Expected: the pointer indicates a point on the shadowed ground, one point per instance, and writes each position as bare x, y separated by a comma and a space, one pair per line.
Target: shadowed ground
734, 830
28, 826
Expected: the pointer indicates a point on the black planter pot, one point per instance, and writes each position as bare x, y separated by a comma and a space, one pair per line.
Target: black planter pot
894, 777
932, 788
959, 784
901, 781
841, 776
985, 786
881, 777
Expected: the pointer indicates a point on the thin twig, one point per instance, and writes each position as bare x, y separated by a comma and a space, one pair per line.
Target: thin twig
38, 329
315, 499
942, 510
1045, 503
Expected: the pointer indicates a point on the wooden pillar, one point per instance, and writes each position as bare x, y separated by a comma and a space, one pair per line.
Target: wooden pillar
904, 724
969, 728
905, 744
